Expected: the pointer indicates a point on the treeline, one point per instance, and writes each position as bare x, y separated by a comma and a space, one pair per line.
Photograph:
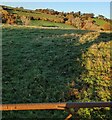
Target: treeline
77, 19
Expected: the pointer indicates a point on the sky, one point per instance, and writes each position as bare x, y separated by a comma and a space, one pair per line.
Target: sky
102, 8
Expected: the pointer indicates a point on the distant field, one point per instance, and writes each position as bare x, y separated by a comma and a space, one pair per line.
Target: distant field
35, 14
100, 22
46, 65
42, 23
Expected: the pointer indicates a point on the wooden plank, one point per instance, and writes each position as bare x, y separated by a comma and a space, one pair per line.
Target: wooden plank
35, 106
53, 106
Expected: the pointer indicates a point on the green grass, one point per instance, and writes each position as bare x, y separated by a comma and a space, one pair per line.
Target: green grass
100, 22
42, 22
49, 24
35, 14
41, 65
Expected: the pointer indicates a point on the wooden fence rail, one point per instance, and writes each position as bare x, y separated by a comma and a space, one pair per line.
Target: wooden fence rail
54, 106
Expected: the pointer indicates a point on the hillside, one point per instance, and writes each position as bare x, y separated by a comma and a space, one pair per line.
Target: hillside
52, 18
44, 65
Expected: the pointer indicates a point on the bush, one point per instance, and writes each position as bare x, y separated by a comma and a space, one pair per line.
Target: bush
107, 26
25, 20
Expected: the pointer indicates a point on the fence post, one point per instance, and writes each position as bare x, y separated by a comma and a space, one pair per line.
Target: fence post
72, 112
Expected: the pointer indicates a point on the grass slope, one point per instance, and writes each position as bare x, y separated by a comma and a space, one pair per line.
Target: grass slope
100, 22
42, 23
35, 14
42, 65
46, 18
41, 15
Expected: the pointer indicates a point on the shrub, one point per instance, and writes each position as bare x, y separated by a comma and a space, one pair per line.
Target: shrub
25, 20
107, 26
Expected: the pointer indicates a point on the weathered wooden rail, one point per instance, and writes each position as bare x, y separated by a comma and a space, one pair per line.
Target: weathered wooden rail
55, 106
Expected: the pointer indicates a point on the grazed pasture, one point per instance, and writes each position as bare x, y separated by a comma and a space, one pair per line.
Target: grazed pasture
46, 65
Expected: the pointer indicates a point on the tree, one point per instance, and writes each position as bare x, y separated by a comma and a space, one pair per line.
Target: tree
21, 7
87, 15
101, 17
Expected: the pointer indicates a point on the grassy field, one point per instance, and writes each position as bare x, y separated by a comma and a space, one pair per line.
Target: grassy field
35, 14
100, 22
46, 65
42, 23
